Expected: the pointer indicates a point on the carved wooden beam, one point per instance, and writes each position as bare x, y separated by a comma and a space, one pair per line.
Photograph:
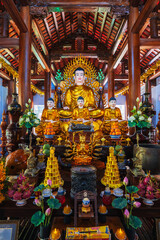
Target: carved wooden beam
103, 24
15, 14
110, 28
89, 3
64, 22
154, 59
9, 42
56, 25
147, 9
39, 55
119, 35
39, 36
148, 43
95, 21
4, 75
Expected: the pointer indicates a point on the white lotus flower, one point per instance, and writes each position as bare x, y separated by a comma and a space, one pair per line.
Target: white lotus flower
137, 99
27, 120
134, 107
29, 100
149, 119
36, 121
139, 112
21, 120
26, 105
29, 113
140, 104
141, 118
131, 119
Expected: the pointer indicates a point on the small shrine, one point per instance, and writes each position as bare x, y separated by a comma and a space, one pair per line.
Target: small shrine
79, 120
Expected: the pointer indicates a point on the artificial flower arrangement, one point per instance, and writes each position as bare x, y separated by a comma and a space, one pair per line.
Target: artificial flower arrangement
128, 203
149, 188
29, 118
2, 181
43, 217
138, 118
21, 189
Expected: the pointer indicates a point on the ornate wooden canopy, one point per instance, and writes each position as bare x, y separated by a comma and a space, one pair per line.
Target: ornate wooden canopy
64, 29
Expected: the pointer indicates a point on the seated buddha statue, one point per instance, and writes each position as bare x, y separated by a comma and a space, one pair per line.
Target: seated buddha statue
113, 114
79, 89
49, 115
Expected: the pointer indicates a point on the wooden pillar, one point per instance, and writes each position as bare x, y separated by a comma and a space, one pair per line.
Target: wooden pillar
4, 25
47, 84
110, 78
24, 90
150, 91
133, 59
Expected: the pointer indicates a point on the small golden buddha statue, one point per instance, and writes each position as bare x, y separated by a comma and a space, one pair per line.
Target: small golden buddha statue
113, 114
49, 116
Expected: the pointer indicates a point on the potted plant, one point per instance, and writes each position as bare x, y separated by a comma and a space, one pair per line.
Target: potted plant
126, 204
20, 190
43, 218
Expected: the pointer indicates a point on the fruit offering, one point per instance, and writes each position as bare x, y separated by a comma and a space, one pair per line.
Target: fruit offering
149, 188
49, 129
115, 129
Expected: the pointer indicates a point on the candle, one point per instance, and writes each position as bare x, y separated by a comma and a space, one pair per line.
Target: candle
55, 234
120, 234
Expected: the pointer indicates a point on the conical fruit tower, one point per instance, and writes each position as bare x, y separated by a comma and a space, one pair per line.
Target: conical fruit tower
111, 175
52, 171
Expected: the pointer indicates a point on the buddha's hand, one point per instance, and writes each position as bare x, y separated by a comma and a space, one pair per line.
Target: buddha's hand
66, 108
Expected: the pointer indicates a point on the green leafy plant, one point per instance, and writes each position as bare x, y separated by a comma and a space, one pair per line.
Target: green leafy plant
43, 217
100, 76
59, 76
122, 204
138, 118
29, 118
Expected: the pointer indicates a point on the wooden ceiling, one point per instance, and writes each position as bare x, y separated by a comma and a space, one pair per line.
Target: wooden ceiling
65, 29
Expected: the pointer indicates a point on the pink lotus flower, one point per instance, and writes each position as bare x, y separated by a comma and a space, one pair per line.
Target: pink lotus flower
125, 181
26, 194
137, 204
49, 182
48, 212
126, 213
37, 202
10, 193
15, 186
17, 195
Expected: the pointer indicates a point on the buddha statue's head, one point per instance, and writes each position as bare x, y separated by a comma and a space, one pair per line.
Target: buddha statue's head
80, 102
79, 76
112, 102
50, 103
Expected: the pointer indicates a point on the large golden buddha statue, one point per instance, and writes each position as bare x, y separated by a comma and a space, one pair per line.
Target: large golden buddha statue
49, 115
79, 89
113, 114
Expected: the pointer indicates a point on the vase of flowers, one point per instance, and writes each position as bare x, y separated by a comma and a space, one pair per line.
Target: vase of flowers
149, 190
29, 120
139, 120
20, 190
43, 218
126, 204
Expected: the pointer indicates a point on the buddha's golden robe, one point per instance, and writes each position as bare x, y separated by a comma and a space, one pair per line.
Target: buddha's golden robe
71, 97
48, 114
76, 91
80, 113
112, 114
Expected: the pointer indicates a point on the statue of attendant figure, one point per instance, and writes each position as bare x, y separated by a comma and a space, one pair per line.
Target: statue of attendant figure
111, 114
49, 115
